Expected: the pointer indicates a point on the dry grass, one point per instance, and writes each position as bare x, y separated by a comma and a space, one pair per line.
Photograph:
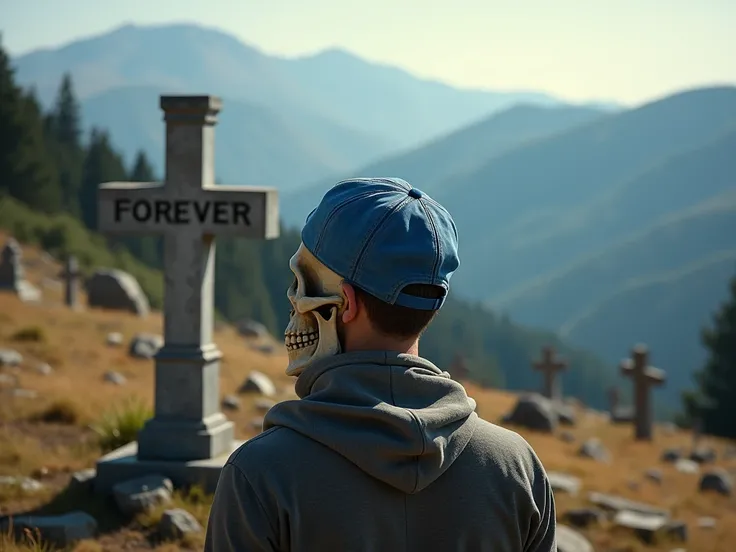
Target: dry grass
49, 438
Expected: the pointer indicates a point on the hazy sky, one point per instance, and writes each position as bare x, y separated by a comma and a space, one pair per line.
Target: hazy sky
627, 50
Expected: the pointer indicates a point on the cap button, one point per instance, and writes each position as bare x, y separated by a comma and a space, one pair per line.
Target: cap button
416, 193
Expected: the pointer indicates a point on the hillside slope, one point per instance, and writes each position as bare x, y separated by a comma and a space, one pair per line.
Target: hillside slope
385, 102
454, 154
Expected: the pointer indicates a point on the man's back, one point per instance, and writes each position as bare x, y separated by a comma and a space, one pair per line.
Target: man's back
384, 452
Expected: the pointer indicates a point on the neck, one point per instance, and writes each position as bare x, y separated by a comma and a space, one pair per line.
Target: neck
381, 343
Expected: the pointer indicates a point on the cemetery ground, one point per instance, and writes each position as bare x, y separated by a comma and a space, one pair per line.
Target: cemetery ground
52, 425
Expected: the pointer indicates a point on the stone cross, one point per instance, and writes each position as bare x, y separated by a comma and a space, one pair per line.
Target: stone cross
71, 277
613, 397
550, 366
189, 210
644, 377
11, 269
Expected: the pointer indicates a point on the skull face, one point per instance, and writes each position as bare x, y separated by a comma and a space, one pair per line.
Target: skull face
316, 299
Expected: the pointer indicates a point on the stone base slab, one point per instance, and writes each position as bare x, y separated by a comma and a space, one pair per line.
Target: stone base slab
123, 464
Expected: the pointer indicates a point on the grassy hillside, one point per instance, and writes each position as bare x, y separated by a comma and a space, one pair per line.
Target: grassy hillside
454, 154
253, 144
385, 102
48, 438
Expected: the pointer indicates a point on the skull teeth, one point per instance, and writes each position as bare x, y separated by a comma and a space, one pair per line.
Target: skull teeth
300, 340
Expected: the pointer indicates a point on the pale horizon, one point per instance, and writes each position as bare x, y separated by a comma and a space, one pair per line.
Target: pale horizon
574, 51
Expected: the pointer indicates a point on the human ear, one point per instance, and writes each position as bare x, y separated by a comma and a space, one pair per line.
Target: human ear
350, 308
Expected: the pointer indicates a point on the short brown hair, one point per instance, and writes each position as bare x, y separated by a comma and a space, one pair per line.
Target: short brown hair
396, 320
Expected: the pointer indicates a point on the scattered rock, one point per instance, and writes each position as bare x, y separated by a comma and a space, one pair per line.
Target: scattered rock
593, 448
82, 480
646, 526
565, 413
258, 382
178, 522
230, 402
706, 523
564, 483
654, 474
257, 423
684, 465
718, 480
613, 503
145, 345
137, 495
116, 378
251, 328
676, 529
584, 517
703, 455
8, 381
9, 357
114, 339
622, 414
264, 405
116, 290
44, 369
24, 393
61, 530
533, 411
569, 540
671, 455
265, 348
25, 483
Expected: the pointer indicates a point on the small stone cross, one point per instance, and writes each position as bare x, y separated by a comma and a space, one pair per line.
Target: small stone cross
644, 377
71, 277
550, 367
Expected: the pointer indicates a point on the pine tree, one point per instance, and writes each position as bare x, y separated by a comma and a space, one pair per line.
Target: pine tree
66, 119
26, 172
714, 400
142, 169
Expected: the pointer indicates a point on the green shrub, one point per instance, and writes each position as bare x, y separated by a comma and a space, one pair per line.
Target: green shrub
120, 425
35, 334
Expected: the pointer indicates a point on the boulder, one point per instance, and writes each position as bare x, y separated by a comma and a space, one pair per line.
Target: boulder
569, 540
258, 382
62, 530
177, 523
145, 345
593, 448
116, 290
535, 412
718, 480
137, 495
251, 328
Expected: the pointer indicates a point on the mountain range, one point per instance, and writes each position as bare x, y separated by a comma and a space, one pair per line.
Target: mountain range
609, 226
299, 119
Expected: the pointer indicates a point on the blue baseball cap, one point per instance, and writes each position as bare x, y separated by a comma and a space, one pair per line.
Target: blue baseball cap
382, 235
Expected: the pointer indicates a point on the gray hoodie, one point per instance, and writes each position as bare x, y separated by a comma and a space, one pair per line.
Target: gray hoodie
384, 452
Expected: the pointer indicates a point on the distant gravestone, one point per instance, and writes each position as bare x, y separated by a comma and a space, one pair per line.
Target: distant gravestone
619, 413
550, 366
116, 290
188, 439
12, 275
71, 277
644, 377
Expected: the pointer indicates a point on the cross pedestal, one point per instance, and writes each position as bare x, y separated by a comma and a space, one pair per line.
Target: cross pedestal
644, 377
189, 438
549, 366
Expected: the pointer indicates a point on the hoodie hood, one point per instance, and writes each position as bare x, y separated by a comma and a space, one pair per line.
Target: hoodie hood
395, 416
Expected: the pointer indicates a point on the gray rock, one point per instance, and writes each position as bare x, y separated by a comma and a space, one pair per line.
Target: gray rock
622, 415
646, 526
718, 480
671, 455
569, 540
703, 455
114, 339
257, 423
83, 480
251, 328
137, 495
62, 530
676, 530
258, 382
116, 290
8, 380
25, 483
613, 503
44, 369
178, 522
116, 378
9, 357
584, 517
145, 345
535, 412
230, 402
593, 448
654, 474
565, 413
24, 393
684, 465
706, 523
264, 405
564, 483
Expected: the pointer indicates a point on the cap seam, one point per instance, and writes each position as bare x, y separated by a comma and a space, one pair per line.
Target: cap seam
438, 245
369, 237
334, 212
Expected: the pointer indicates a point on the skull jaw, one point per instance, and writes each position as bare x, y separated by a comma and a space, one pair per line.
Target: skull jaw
328, 344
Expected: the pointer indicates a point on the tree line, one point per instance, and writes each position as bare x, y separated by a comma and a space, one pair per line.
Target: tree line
49, 174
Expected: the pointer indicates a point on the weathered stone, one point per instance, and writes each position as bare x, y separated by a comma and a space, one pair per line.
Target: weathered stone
550, 366
178, 522
703, 455
44, 369
565, 413
24, 393
706, 523
569, 540
230, 402
584, 517
264, 405
671, 454
137, 495
594, 448
535, 412
62, 530
654, 474
613, 503
257, 423
718, 480
644, 377
646, 526
24, 483
684, 465
145, 345
82, 480
564, 483
12, 275
9, 357
676, 530
8, 381
116, 378
251, 328
71, 275
258, 382
114, 339
116, 290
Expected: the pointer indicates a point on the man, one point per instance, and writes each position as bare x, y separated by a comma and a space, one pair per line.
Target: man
384, 451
